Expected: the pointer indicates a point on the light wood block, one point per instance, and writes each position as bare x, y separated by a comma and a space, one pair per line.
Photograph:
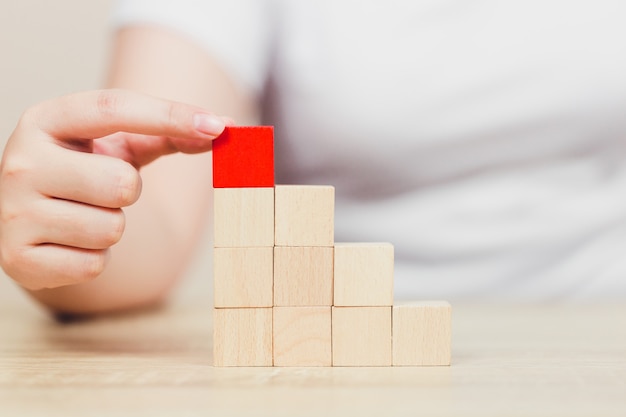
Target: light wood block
243, 217
305, 215
242, 337
302, 336
361, 336
422, 333
363, 274
243, 277
303, 276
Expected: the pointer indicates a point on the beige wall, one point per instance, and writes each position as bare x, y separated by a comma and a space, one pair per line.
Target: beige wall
50, 48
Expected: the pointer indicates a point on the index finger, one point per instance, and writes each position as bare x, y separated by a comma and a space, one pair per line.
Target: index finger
94, 114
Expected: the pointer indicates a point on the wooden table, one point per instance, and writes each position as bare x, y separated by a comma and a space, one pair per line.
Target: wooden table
507, 360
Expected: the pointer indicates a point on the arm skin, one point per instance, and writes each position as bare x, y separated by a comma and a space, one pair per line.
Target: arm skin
165, 224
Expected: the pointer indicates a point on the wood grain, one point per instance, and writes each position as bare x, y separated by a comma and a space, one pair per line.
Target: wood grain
302, 336
361, 336
242, 337
243, 217
531, 360
305, 215
303, 276
422, 333
243, 277
363, 274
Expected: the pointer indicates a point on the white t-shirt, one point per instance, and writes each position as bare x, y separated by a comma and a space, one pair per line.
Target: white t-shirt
486, 140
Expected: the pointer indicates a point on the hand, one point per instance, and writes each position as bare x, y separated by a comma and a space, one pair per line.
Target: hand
70, 166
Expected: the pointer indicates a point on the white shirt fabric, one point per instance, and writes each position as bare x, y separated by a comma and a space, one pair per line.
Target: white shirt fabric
486, 140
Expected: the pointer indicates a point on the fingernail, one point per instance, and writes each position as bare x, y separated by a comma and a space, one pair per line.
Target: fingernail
208, 124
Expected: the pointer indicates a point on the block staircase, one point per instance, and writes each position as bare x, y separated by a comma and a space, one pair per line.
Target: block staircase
286, 294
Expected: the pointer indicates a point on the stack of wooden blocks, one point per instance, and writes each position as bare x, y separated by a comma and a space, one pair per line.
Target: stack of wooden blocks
286, 294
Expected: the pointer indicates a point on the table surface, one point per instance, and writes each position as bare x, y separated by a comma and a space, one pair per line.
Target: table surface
507, 360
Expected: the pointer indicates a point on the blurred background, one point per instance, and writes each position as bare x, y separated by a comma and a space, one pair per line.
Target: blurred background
51, 48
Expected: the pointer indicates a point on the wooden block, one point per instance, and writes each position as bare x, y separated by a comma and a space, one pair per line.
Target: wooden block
305, 215
242, 337
361, 336
243, 277
363, 274
303, 276
243, 217
302, 336
243, 156
422, 333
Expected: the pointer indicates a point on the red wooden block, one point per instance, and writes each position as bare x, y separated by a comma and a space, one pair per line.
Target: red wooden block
243, 156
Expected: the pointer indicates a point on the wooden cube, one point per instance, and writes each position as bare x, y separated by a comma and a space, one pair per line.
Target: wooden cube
305, 215
363, 274
303, 276
243, 277
422, 333
302, 336
361, 336
242, 337
243, 217
243, 156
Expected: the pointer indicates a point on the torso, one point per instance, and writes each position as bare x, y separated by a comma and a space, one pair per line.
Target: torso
486, 140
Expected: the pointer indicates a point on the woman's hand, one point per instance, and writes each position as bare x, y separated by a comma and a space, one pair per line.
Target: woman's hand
70, 166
